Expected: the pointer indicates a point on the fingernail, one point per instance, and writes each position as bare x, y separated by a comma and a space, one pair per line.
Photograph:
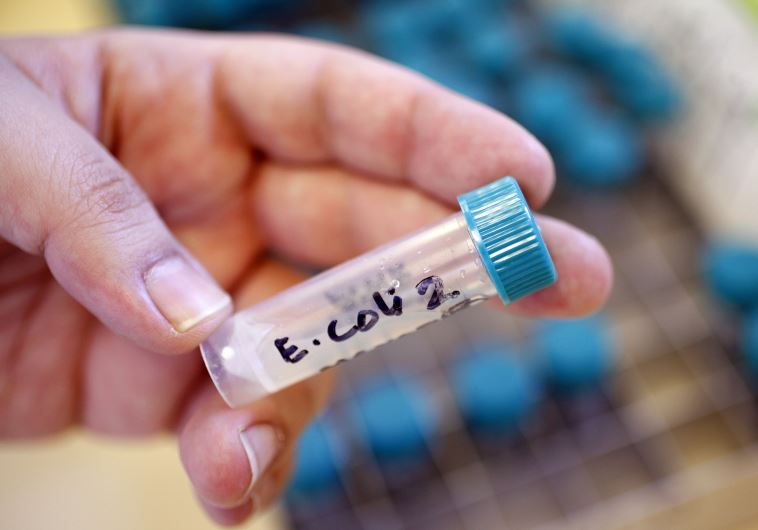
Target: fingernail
264, 493
262, 444
183, 295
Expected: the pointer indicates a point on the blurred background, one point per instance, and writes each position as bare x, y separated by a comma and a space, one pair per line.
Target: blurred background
643, 416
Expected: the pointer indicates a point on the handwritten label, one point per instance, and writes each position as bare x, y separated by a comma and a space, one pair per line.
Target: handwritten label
438, 291
366, 319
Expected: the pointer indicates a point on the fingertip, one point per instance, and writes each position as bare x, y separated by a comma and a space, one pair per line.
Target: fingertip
234, 455
539, 163
261, 498
229, 516
213, 455
470, 144
585, 274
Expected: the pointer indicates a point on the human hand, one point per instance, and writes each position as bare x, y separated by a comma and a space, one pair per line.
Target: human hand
132, 162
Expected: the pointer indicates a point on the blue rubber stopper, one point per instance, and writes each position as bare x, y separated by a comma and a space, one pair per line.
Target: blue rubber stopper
642, 85
602, 150
731, 271
581, 35
575, 355
318, 462
549, 99
396, 418
499, 48
495, 390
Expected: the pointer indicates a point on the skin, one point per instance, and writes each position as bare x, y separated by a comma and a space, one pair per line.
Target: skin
119, 146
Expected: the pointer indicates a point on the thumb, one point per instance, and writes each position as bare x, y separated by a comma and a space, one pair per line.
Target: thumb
65, 197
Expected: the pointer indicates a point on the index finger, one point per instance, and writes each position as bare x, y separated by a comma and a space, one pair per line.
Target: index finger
304, 101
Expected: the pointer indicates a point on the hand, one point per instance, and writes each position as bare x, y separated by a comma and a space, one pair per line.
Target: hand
143, 174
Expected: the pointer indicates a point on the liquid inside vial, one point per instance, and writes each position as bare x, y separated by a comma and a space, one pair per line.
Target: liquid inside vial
355, 307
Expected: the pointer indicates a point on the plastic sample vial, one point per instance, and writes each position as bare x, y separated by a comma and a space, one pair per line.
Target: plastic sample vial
492, 247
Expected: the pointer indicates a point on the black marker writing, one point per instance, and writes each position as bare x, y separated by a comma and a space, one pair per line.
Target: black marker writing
397, 304
331, 330
289, 353
438, 294
366, 319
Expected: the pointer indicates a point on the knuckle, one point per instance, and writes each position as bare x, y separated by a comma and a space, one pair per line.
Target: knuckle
101, 192
103, 188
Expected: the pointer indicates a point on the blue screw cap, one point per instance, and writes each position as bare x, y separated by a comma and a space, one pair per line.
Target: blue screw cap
508, 239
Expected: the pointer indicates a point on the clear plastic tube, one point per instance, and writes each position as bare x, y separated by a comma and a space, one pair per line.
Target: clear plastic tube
377, 297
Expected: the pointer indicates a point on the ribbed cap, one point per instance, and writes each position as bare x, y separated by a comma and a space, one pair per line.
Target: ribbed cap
508, 239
